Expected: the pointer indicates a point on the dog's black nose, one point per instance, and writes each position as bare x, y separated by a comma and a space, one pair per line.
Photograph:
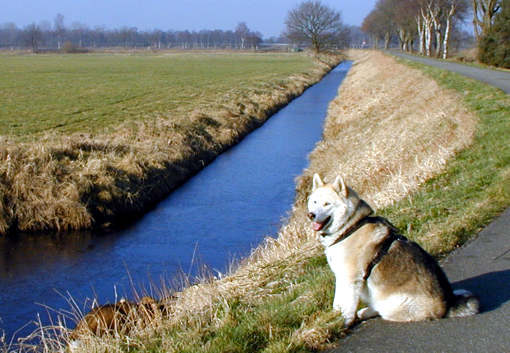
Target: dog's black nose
311, 215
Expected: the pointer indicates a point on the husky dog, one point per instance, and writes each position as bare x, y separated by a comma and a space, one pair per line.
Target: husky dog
372, 263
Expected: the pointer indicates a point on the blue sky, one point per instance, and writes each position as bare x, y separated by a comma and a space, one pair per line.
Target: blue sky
266, 16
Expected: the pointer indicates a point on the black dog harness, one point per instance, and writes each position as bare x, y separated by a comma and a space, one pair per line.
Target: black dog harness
384, 246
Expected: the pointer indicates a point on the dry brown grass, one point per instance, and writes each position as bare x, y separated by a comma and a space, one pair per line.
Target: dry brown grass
74, 182
389, 129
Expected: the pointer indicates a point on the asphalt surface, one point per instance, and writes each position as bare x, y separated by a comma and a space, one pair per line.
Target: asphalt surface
482, 266
497, 78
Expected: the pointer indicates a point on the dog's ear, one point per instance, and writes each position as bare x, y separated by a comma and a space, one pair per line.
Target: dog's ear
317, 182
340, 187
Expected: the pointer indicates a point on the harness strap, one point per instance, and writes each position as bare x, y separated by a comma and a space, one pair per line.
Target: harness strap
384, 246
351, 230
383, 250
360, 223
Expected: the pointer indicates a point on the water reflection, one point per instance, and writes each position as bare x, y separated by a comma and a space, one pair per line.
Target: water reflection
26, 254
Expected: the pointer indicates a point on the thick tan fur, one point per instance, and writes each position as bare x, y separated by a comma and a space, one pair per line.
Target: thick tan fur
372, 263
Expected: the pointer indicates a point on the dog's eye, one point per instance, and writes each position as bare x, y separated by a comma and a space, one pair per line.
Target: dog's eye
326, 204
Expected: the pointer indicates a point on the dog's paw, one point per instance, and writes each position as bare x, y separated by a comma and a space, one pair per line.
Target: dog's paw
349, 321
367, 313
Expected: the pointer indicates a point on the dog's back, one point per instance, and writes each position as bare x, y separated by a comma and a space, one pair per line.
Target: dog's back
407, 284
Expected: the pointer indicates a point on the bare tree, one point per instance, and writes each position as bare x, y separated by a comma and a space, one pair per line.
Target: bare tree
58, 27
372, 26
404, 19
380, 22
9, 35
254, 39
455, 9
33, 36
483, 16
315, 23
431, 20
242, 32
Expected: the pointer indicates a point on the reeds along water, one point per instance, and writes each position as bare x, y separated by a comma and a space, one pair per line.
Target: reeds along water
63, 183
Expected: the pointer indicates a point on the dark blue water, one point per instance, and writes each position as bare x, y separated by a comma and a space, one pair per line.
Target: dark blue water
221, 213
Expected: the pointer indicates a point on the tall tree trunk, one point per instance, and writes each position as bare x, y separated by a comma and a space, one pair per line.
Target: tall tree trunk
438, 41
387, 38
435, 16
428, 39
421, 34
316, 44
410, 44
446, 39
427, 29
476, 21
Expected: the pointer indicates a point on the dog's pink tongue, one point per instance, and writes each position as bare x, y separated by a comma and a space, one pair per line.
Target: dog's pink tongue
317, 226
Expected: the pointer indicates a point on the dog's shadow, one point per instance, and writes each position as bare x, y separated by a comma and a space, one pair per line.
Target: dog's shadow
493, 289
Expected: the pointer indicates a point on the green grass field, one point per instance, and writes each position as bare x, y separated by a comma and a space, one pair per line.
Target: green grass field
71, 93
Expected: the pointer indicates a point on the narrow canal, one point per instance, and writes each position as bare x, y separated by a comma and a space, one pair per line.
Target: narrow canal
220, 214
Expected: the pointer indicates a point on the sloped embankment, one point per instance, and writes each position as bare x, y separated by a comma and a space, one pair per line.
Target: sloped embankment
389, 129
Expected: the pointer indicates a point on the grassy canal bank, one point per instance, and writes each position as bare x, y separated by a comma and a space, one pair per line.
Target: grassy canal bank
427, 148
93, 140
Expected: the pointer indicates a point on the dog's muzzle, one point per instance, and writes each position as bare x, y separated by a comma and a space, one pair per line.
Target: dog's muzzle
317, 226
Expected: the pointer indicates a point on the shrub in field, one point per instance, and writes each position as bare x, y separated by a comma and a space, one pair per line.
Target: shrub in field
71, 48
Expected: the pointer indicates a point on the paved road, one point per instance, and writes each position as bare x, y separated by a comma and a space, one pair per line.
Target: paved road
483, 267
500, 79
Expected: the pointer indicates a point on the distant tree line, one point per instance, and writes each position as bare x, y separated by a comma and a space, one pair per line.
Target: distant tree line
424, 25
57, 36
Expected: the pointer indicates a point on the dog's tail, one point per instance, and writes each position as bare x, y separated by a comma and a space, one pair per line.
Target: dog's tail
464, 304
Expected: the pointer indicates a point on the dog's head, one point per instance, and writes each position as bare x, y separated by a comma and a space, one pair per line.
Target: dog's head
330, 206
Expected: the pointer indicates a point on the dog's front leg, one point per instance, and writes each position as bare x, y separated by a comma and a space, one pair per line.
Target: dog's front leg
346, 300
